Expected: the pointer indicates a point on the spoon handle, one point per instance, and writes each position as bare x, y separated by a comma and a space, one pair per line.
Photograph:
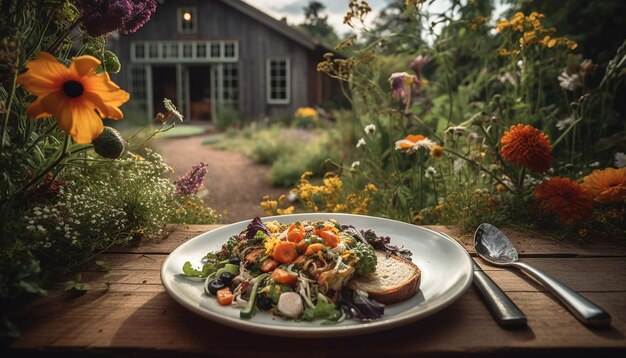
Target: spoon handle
584, 310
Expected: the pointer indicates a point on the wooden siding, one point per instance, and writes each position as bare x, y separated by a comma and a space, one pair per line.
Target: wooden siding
257, 42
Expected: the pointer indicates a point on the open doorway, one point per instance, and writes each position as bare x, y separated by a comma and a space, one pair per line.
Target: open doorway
200, 93
164, 86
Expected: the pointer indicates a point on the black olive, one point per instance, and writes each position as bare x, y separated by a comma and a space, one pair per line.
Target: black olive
235, 260
264, 303
215, 285
227, 278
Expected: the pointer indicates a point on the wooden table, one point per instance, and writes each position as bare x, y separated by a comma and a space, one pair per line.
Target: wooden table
135, 316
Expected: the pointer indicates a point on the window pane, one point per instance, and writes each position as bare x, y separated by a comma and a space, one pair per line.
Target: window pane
201, 50
140, 51
153, 50
187, 50
215, 50
229, 50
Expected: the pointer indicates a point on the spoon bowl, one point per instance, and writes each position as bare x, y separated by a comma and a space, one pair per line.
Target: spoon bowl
495, 247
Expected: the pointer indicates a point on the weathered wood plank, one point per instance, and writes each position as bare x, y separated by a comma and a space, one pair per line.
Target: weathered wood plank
166, 244
529, 246
152, 320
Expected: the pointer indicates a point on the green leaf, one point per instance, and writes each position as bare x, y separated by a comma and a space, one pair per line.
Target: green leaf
206, 270
76, 286
323, 309
103, 265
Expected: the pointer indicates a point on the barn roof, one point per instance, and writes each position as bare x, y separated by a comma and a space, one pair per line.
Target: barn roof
277, 25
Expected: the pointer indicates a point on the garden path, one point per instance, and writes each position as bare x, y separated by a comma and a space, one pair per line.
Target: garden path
235, 183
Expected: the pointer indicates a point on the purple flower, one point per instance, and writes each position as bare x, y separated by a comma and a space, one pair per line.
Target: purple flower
103, 16
418, 63
402, 84
142, 10
192, 181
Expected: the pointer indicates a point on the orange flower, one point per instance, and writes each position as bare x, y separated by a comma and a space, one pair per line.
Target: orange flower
413, 142
76, 97
608, 185
437, 152
567, 199
527, 146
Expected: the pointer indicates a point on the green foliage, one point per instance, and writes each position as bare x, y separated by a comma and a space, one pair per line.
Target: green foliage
316, 24
227, 117
289, 151
468, 209
61, 203
432, 145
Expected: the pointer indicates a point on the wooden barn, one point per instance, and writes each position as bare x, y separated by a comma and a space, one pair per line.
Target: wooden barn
206, 55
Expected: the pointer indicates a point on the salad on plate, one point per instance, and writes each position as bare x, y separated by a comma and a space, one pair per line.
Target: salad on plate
300, 270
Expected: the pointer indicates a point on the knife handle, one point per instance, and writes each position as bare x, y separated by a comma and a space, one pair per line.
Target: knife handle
500, 305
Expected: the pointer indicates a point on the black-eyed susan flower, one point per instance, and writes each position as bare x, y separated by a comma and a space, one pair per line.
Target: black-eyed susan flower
437, 152
76, 97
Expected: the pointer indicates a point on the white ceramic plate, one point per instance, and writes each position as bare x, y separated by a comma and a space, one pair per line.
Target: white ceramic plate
446, 274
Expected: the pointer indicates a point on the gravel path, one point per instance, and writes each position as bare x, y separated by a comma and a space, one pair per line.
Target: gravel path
235, 183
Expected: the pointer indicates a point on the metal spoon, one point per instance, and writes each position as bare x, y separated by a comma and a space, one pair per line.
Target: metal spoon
493, 246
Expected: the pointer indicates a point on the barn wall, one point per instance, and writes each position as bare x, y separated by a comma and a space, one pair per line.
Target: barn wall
257, 42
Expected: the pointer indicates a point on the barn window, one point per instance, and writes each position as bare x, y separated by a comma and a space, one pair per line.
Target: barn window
201, 50
230, 84
138, 86
140, 50
187, 20
278, 80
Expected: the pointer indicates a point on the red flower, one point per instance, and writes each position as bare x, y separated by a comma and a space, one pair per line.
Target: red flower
566, 199
527, 146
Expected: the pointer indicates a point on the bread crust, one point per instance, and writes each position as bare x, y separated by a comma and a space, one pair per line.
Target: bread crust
398, 293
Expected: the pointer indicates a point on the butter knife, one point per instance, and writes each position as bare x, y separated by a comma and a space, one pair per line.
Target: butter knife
503, 310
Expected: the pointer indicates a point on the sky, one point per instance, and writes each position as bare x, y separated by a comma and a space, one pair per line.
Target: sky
335, 9
294, 12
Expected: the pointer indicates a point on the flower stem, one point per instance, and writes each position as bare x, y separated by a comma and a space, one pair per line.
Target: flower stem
479, 166
63, 153
55, 45
5, 121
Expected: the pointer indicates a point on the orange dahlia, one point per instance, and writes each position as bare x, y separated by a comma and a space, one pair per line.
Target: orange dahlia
565, 198
76, 97
607, 185
527, 146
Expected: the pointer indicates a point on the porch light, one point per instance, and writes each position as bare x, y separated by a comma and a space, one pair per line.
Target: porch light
187, 16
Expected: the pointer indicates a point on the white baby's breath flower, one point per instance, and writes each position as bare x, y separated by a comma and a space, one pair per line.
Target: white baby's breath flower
430, 172
594, 165
620, 160
370, 128
355, 164
360, 143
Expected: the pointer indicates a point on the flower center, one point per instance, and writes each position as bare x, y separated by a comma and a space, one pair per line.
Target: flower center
73, 89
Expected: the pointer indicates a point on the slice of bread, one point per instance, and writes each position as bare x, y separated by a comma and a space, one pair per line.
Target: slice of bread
394, 280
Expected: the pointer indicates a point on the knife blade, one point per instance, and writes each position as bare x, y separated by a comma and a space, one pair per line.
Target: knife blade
502, 308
